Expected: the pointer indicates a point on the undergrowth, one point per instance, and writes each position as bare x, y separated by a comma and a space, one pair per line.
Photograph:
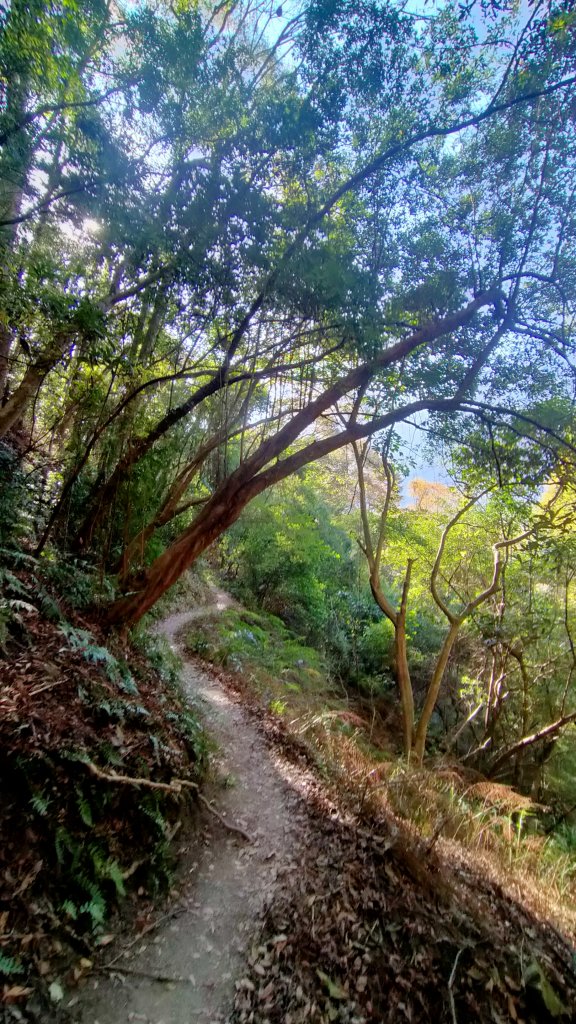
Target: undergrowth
279, 666
505, 832
78, 843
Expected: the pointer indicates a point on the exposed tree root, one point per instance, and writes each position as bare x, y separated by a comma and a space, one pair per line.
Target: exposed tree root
175, 786
166, 979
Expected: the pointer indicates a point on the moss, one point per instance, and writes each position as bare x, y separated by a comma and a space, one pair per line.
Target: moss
260, 647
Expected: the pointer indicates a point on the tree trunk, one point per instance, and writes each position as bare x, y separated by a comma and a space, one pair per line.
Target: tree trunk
401, 666
356, 378
404, 682
220, 512
251, 478
5, 347
17, 403
433, 691
103, 497
547, 732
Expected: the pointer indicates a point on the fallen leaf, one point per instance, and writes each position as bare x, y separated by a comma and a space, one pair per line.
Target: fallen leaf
335, 991
15, 992
265, 993
56, 992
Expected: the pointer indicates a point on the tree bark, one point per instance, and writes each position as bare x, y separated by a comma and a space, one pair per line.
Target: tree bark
355, 378
434, 690
220, 512
251, 478
19, 400
402, 667
5, 347
546, 732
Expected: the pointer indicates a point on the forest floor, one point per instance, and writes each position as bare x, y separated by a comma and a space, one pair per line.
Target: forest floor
319, 916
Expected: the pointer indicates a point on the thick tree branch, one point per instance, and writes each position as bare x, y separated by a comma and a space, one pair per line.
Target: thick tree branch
547, 732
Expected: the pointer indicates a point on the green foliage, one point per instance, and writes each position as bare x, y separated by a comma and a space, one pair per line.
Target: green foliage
9, 965
89, 839
376, 646
90, 866
160, 655
259, 646
219, 231
76, 581
290, 556
563, 839
81, 640
16, 498
199, 241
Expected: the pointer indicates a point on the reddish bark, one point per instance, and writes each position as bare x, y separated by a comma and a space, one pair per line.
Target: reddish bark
251, 478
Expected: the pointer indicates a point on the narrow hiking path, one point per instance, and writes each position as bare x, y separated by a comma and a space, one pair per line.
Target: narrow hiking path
205, 936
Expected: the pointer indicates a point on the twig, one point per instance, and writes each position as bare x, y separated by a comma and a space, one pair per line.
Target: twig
133, 868
226, 824
174, 830
450, 983
45, 686
149, 928
165, 978
175, 786
431, 843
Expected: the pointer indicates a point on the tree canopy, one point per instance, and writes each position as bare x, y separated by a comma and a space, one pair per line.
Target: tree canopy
238, 237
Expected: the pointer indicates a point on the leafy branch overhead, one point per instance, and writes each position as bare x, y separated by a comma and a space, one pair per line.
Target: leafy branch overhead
238, 240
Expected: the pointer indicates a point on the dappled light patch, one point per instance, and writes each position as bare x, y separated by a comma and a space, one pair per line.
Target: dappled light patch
280, 667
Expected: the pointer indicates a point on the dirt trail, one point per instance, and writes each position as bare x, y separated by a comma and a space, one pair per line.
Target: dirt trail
206, 939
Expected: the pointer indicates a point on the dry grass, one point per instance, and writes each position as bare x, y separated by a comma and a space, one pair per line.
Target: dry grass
479, 827
482, 826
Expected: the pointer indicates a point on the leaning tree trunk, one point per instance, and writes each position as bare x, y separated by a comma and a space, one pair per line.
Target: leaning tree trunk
219, 513
16, 405
251, 478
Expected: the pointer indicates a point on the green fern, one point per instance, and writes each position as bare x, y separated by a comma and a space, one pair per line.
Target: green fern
154, 814
64, 843
70, 908
12, 583
95, 907
82, 640
9, 965
85, 809
115, 875
138, 711
17, 557
40, 804
49, 607
110, 755
17, 605
126, 680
